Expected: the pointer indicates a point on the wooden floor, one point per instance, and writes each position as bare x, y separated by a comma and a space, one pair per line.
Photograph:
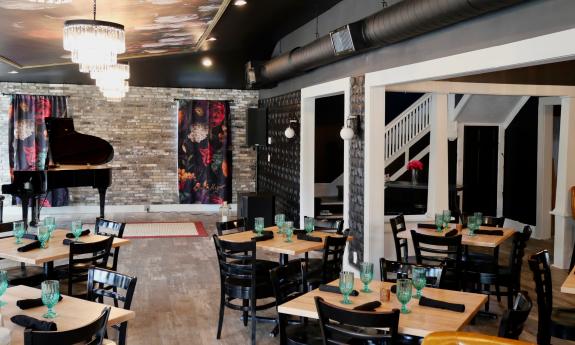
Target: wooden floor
177, 296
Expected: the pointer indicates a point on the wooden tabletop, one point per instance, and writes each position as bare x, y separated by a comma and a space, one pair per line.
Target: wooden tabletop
56, 249
489, 241
72, 312
569, 283
420, 322
278, 243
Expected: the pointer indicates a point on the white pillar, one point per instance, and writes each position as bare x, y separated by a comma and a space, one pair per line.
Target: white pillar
438, 192
500, 169
564, 225
544, 167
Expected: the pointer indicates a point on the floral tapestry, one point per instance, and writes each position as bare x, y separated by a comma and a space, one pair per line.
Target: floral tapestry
204, 161
29, 138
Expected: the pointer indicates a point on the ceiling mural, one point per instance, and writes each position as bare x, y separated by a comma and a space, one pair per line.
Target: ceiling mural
32, 32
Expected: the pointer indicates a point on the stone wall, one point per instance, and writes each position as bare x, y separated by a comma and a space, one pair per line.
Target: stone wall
142, 128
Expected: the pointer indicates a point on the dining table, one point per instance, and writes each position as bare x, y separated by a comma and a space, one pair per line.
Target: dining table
71, 312
568, 285
419, 322
477, 240
55, 250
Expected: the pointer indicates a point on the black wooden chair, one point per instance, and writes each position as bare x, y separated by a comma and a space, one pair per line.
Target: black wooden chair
329, 225
110, 228
513, 320
437, 250
327, 269
82, 257
240, 280
98, 282
356, 327
22, 274
90, 334
493, 221
393, 270
231, 226
552, 322
401, 244
287, 284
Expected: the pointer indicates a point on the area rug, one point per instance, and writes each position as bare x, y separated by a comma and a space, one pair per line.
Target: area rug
162, 229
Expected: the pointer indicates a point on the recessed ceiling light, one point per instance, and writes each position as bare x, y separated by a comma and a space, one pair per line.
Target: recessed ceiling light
207, 62
13, 72
240, 2
212, 38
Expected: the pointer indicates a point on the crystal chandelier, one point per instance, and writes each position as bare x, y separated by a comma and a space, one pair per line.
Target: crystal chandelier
112, 80
114, 92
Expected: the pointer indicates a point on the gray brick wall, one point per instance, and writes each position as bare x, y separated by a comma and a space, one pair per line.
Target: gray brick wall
143, 130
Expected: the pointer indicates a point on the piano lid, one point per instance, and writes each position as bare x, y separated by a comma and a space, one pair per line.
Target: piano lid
70, 147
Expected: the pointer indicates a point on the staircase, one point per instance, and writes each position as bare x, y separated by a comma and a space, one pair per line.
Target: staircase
406, 130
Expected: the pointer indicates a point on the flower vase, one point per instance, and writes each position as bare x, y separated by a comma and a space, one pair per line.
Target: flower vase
414, 176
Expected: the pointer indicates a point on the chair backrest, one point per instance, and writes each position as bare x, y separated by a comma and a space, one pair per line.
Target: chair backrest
517, 253
100, 279
332, 260
393, 270
236, 260
86, 255
455, 217
6, 227
90, 334
438, 250
493, 221
336, 322
287, 280
513, 320
539, 265
331, 225
110, 228
401, 246
231, 226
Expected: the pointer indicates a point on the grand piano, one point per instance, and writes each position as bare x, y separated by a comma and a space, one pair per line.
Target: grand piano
75, 160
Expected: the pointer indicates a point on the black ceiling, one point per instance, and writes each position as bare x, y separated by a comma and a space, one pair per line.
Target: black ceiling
243, 33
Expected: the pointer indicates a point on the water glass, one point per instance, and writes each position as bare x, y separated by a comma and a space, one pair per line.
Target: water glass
419, 279
366, 275
43, 235
479, 218
471, 225
346, 282
439, 221
259, 225
309, 224
76, 228
19, 230
288, 230
3, 285
50, 296
280, 219
446, 218
404, 291
50, 222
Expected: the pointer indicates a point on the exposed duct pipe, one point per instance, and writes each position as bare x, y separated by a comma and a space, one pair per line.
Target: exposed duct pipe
401, 21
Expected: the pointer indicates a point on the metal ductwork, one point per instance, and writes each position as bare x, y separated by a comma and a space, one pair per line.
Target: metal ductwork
399, 22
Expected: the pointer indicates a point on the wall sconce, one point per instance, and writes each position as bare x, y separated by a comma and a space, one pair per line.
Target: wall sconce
290, 132
348, 130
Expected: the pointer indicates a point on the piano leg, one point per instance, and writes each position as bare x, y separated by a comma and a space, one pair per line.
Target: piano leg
102, 192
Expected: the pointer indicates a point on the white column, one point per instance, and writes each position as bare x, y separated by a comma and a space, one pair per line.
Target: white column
500, 169
564, 225
438, 192
307, 158
544, 168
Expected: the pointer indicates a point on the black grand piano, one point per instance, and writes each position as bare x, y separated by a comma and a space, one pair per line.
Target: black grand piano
75, 160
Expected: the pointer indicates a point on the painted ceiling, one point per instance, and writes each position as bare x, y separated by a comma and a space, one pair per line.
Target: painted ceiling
32, 32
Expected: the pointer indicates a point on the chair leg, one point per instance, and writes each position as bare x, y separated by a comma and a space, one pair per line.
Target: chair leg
221, 317
246, 304
254, 319
498, 292
510, 296
123, 333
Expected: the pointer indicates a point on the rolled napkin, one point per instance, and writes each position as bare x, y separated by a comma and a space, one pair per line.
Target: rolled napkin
305, 237
489, 232
30, 246
433, 303
369, 306
266, 235
30, 237
335, 289
31, 303
34, 324
453, 232
426, 226
84, 233
67, 241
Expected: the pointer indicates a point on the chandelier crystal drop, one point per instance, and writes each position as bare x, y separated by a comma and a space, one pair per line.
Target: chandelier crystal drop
111, 72
114, 92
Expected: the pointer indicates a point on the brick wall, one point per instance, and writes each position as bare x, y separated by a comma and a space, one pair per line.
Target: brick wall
143, 130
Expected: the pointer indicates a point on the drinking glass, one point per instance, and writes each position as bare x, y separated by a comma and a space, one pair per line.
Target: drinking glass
439, 221
446, 218
404, 290
471, 222
259, 225
280, 219
50, 222
419, 280
346, 281
76, 228
288, 230
366, 275
3, 285
309, 224
19, 231
50, 296
479, 218
43, 235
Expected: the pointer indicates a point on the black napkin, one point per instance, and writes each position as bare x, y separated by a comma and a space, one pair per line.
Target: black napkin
489, 232
67, 241
84, 233
31, 303
308, 238
453, 232
34, 324
30, 246
369, 306
30, 237
426, 226
335, 289
433, 303
266, 235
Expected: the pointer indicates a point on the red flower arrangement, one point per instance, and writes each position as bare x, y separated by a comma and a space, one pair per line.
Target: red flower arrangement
415, 165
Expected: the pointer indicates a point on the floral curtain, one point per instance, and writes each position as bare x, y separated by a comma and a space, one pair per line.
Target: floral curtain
29, 138
204, 161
